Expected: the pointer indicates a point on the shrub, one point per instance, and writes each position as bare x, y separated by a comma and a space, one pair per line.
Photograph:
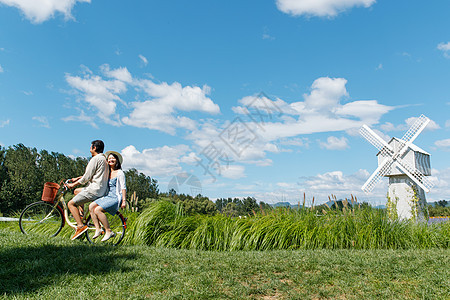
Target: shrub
166, 224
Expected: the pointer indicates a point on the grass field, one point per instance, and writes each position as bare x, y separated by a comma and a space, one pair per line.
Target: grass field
35, 268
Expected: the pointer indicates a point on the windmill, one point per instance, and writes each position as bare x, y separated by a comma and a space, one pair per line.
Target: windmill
407, 166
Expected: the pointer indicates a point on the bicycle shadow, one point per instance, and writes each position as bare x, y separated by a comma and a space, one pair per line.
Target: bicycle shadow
28, 269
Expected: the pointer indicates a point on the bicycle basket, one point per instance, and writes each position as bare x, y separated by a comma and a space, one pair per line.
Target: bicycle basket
49, 192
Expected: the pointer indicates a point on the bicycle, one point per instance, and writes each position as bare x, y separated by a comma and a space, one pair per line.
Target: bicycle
48, 217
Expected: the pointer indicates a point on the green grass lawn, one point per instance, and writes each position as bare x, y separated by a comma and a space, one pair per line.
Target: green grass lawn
59, 268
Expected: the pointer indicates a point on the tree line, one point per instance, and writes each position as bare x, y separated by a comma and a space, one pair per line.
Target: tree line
24, 170
440, 209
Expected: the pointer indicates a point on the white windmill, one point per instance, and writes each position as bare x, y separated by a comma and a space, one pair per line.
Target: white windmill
407, 166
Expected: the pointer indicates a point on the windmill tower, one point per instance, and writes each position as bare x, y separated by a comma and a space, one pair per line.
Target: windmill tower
407, 166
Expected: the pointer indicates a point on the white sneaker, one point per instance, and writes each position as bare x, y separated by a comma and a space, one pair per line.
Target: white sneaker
107, 237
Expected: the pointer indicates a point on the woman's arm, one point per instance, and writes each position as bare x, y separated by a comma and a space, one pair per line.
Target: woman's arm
123, 188
124, 198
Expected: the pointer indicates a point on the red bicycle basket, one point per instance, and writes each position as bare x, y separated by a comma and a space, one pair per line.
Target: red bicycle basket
49, 192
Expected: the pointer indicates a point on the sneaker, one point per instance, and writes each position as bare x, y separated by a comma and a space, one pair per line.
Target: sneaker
97, 234
107, 237
80, 231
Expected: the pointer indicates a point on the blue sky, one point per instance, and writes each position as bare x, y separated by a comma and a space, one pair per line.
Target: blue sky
167, 83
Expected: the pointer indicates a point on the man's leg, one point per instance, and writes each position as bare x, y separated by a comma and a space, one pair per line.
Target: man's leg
75, 213
81, 207
80, 199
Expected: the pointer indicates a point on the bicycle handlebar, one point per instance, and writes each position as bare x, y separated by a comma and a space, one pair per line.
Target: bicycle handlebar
64, 183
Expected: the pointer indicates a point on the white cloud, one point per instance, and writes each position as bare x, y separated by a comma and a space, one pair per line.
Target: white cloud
388, 126
441, 189
38, 11
447, 124
265, 125
325, 93
266, 35
321, 111
162, 111
233, 171
121, 74
444, 144
155, 162
369, 111
43, 121
143, 59
335, 143
320, 187
299, 142
163, 108
320, 8
100, 94
445, 48
341, 185
82, 118
4, 123
379, 67
1, 69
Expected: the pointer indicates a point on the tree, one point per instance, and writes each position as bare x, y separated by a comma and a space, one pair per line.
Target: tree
3, 172
249, 206
48, 166
442, 203
144, 186
23, 183
221, 203
264, 207
199, 205
230, 210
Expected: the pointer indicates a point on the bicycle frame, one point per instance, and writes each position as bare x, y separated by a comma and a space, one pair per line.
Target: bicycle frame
64, 209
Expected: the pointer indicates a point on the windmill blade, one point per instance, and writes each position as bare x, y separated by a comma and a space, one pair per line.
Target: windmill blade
376, 176
413, 133
416, 129
374, 138
416, 176
410, 136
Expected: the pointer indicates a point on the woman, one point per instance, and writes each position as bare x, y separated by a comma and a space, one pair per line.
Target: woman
115, 197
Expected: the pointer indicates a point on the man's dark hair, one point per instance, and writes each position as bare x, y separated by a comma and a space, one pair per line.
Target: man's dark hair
99, 146
117, 166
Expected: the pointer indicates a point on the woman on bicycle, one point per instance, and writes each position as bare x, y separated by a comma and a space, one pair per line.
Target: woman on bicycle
115, 198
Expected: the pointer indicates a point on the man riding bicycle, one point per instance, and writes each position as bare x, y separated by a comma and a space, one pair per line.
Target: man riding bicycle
96, 175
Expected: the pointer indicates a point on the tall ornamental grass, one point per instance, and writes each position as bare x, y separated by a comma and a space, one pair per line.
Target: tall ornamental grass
165, 224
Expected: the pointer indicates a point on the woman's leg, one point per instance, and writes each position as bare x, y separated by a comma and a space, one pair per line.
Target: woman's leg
94, 217
100, 212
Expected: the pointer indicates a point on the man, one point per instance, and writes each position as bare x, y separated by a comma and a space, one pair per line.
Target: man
96, 175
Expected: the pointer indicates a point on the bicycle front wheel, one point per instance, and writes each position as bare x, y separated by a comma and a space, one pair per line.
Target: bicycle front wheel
41, 218
118, 225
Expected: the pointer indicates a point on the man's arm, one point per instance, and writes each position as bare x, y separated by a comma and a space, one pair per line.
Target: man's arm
88, 173
73, 182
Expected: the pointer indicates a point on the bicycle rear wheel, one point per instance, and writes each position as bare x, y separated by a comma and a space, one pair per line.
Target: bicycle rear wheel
41, 218
118, 225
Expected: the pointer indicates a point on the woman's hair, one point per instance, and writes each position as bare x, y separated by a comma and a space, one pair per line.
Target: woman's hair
117, 166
